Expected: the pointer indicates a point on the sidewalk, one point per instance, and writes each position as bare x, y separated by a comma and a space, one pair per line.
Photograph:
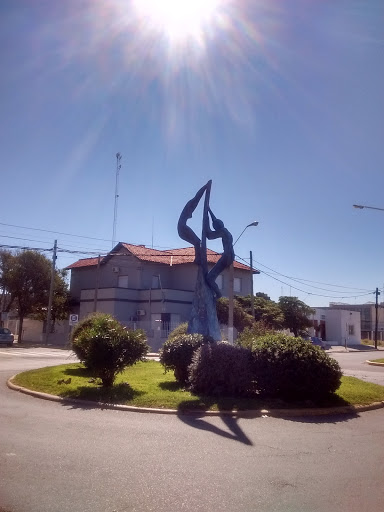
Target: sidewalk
353, 348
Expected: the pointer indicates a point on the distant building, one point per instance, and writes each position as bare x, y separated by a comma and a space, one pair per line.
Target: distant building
145, 287
337, 326
368, 318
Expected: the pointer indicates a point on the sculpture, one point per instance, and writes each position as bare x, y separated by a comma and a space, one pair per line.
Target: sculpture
203, 318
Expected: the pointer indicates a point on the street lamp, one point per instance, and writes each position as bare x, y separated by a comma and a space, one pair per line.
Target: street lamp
254, 223
360, 207
231, 290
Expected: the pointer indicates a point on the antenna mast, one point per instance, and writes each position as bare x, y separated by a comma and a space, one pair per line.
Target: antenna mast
118, 167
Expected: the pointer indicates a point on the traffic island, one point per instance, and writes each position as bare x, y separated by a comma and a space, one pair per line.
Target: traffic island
145, 388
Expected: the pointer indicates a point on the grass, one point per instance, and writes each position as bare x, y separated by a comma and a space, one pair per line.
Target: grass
377, 360
146, 385
366, 341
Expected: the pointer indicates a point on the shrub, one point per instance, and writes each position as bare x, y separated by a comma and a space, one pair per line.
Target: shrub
220, 369
106, 347
292, 368
177, 353
178, 331
250, 334
81, 350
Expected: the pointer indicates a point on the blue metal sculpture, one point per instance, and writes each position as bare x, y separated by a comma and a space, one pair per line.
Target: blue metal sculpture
203, 318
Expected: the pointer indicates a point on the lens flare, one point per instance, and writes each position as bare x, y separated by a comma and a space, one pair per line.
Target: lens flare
179, 20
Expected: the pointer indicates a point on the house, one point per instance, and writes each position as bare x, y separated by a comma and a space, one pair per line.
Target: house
146, 288
368, 317
336, 326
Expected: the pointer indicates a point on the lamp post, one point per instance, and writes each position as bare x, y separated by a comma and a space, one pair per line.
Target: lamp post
360, 207
231, 291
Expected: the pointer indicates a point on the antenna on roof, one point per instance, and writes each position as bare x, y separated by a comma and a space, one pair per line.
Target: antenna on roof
118, 167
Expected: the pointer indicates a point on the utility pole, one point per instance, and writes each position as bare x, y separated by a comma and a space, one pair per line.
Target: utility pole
252, 299
50, 300
377, 293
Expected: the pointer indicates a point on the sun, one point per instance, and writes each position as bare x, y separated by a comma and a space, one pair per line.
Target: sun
179, 20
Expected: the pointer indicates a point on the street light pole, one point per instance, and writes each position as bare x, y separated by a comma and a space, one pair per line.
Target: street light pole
231, 290
360, 207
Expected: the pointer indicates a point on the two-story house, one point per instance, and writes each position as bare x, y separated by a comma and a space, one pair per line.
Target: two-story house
145, 287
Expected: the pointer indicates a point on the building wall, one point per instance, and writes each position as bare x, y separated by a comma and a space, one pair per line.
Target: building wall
368, 318
338, 324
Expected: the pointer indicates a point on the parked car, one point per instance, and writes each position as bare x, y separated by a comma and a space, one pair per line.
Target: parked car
318, 342
6, 336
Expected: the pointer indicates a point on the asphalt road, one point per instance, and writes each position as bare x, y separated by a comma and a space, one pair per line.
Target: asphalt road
60, 458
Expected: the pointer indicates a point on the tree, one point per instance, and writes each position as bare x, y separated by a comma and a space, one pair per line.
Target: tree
5, 266
26, 277
266, 311
263, 295
296, 314
106, 347
241, 319
60, 301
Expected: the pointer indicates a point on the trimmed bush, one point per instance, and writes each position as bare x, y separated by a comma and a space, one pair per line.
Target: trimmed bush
106, 347
220, 369
248, 337
178, 331
292, 368
177, 353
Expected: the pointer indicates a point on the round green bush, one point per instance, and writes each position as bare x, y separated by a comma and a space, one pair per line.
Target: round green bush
106, 347
291, 368
220, 369
176, 354
178, 331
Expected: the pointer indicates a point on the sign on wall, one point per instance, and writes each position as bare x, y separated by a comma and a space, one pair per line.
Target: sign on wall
73, 319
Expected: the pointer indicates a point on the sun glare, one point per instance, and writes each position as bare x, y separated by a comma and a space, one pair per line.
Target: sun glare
178, 19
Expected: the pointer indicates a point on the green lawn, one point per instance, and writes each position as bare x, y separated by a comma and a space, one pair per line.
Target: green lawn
377, 360
146, 385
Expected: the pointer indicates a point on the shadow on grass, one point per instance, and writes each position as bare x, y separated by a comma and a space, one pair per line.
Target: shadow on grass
117, 394
78, 372
171, 386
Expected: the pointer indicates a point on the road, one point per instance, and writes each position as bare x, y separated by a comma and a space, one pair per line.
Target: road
61, 458
353, 364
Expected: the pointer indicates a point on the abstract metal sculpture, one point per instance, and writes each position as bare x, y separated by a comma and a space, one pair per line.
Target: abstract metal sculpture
203, 318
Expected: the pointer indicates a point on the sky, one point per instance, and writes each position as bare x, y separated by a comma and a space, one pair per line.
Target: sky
280, 103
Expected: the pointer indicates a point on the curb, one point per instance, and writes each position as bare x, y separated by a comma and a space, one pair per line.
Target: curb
250, 413
373, 363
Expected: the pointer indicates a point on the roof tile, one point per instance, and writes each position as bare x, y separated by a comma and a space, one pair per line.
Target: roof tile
168, 257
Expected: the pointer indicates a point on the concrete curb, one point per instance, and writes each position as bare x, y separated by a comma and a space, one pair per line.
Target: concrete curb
373, 363
275, 413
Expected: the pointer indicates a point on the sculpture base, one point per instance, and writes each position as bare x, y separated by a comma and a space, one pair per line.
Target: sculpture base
203, 318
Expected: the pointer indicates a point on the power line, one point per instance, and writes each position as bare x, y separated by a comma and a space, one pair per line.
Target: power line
311, 293
299, 280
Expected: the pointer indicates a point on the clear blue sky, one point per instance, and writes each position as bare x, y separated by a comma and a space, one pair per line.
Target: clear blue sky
280, 103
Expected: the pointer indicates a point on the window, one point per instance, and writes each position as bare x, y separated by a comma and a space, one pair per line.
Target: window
351, 330
237, 284
155, 282
219, 281
123, 282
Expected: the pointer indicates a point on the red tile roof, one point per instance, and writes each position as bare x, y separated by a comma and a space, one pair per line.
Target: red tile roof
85, 262
168, 257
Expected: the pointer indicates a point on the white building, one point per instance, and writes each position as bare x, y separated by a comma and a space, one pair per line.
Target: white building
337, 326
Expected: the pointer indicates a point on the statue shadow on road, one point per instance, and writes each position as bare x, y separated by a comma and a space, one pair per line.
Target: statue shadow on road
200, 420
